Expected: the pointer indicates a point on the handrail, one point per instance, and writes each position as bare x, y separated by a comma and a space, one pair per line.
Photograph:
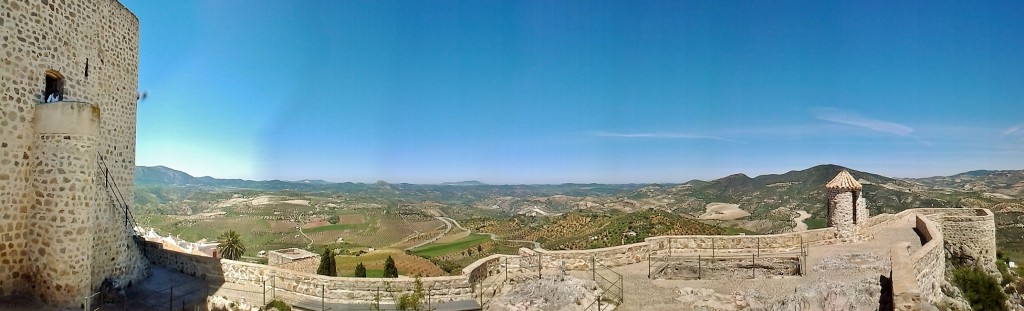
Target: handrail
117, 195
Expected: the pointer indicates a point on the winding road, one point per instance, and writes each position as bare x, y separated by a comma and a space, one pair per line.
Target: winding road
799, 224
493, 236
304, 234
448, 227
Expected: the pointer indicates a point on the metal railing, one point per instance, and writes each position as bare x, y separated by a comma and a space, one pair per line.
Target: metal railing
190, 295
609, 281
116, 197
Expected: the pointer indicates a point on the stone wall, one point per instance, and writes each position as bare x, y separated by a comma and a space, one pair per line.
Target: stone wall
840, 213
335, 289
688, 245
929, 263
969, 235
93, 45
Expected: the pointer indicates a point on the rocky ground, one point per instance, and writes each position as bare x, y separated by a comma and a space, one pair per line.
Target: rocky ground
551, 293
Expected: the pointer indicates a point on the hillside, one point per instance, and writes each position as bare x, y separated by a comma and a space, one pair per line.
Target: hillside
583, 230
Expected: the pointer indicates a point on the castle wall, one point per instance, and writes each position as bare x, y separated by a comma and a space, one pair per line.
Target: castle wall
929, 262
65, 183
93, 44
681, 245
336, 289
969, 235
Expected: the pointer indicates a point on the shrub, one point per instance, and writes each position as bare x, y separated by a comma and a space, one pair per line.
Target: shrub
327, 266
412, 301
360, 270
980, 289
390, 270
333, 219
1004, 272
280, 305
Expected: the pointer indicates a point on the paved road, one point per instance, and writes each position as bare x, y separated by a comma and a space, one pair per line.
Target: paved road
448, 227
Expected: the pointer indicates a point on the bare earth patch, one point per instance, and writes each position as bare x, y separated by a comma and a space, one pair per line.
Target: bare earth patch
723, 211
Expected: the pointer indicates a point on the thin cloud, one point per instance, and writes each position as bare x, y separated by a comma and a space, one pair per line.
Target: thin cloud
664, 135
850, 118
1016, 129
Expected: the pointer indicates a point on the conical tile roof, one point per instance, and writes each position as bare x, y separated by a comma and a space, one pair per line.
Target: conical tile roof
843, 181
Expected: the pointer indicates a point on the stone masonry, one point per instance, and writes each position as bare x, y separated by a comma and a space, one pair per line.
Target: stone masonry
846, 207
60, 233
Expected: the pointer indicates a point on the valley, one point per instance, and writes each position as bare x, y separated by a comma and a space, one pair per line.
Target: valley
435, 230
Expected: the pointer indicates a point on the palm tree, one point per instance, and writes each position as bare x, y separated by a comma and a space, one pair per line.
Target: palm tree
231, 245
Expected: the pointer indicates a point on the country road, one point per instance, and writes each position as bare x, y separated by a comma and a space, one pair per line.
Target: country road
304, 234
493, 236
799, 221
448, 227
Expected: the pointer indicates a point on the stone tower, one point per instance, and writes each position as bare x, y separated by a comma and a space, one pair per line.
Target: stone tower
846, 206
68, 90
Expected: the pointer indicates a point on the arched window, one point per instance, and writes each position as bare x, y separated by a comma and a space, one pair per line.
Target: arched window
54, 91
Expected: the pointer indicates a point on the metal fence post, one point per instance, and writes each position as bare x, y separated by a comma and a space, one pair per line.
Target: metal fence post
85, 305
323, 292
753, 267
648, 265
698, 267
593, 268
170, 300
539, 265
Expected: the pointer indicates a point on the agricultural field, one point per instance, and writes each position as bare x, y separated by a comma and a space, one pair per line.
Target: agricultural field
408, 265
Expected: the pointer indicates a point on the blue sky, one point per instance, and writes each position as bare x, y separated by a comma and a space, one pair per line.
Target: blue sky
578, 91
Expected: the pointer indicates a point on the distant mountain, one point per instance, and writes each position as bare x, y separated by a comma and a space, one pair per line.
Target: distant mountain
765, 196
464, 183
162, 175
1004, 183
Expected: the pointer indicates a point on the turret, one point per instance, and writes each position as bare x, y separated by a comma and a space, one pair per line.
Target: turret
846, 207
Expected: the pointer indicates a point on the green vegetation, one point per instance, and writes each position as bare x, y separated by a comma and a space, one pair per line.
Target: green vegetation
333, 219
360, 271
815, 223
980, 289
469, 243
231, 245
327, 266
279, 305
411, 301
390, 270
330, 228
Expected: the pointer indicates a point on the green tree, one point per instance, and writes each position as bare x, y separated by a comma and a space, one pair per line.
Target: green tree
230, 245
333, 219
390, 270
360, 270
327, 266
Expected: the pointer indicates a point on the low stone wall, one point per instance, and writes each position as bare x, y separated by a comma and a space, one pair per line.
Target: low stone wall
969, 235
929, 262
202, 267
334, 289
722, 245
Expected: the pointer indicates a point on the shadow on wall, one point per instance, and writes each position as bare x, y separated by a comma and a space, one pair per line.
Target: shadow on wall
176, 281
